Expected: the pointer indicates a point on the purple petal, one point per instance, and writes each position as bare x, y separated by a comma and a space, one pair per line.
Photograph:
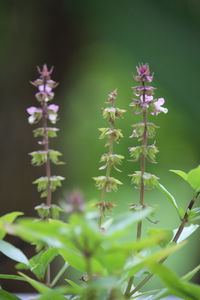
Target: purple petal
53, 107
32, 110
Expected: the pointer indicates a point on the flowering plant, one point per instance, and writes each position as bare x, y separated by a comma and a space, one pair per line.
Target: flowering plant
112, 264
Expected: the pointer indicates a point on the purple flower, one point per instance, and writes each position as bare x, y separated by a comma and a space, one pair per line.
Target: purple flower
158, 107
53, 107
32, 110
146, 98
45, 88
143, 73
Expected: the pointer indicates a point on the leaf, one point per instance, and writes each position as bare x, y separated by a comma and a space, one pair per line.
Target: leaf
187, 231
169, 196
194, 178
177, 286
13, 277
127, 220
40, 287
40, 262
8, 218
191, 274
180, 173
152, 259
7, 296
13, 252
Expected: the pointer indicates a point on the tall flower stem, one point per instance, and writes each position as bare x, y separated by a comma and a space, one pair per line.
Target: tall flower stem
46, 149
142, 162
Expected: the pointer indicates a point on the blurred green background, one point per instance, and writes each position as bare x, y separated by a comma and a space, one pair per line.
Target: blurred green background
95, 46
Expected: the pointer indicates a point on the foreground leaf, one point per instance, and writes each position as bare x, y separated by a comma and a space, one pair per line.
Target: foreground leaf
8, 218
7, 296
40, 287
13, 252
169, 196
177, 286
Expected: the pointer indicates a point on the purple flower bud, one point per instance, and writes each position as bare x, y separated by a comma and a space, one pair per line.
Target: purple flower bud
45, 73
53, 107
75, 203
158, 107
32, 110
143, 73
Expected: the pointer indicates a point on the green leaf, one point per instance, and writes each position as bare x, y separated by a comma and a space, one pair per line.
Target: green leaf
194, 178
169, 196
124, 221
7, 296
180, 173
187, 231
40, 262
167, 235
13, 252
12, 277
8, 218
147, 261
191, 274
177, 287
40, 287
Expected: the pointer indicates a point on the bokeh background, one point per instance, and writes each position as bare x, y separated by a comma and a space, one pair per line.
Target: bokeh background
95, 46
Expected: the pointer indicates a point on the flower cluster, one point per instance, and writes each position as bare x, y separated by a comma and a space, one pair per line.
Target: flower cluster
44, 114
110, 160
144, 104
145, 93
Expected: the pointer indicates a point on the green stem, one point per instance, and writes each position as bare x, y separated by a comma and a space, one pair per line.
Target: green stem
128, 289
59, 274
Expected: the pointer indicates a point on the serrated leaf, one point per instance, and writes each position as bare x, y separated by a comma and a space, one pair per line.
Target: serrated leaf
187, 231
13, 252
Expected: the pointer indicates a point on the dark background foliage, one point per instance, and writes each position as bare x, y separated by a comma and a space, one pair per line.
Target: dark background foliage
95, 46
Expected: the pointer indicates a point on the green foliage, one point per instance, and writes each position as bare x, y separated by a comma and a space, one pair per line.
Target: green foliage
111, 183
39, 262
43, 182
8, 219
113, 113
187, 231
192, 177
169, 196
40, 157
7, 296
115, 134
149, 180
111, 160
177, 286
13, 252
51, 131
138, 130
148, 151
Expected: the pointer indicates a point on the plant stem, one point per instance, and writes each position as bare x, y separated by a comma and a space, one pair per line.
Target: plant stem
142, 163
59, 274
128, 289
175, 240
47, 167
108, 171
